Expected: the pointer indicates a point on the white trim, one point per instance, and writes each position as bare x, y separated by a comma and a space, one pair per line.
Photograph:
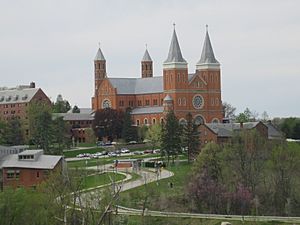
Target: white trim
208, 66
175, 65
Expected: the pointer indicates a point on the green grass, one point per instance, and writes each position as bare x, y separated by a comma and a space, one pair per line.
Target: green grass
161, 192
149, 220
102, 161
74, 153
101, 179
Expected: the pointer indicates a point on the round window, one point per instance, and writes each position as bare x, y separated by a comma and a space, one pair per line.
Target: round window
198, 101
199, 120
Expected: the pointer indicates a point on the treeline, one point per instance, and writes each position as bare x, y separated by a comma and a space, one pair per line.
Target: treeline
289, 126
249, 176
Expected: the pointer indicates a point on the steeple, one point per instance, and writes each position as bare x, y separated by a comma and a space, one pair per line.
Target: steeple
175, 59
207, 59
99, 55
146, 57
99, 68
146, 65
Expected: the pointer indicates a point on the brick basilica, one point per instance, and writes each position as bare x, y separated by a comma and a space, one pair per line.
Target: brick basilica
150, 96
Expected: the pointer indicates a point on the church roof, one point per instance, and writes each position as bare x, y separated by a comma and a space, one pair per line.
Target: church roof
174, 55
146, 57
147, 110
138, 85
207, 55
146, 85
99, 55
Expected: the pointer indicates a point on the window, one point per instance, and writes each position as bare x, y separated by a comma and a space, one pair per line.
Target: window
139, 103
38, 174
161, 120
121, 103
138, 122
217, 101
212, 101
179, 101
199, 120
153, 121
184, 101
146, 121
155, 102
17, 174
10, 174
147, 102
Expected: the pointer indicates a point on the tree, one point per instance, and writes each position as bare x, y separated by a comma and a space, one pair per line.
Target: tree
61, 136
229, 111
108, 123
171, 144
75, 109
40, 125
61, 105
129, 133
3, 126
285, 166
264, 116
13, 132
191, 137
153, 134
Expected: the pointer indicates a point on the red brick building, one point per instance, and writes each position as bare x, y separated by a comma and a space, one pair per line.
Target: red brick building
222, 133
150, 96
15, 102
29, 168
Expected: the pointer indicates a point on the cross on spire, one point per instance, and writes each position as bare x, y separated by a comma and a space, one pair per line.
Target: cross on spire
206, 27
174, 24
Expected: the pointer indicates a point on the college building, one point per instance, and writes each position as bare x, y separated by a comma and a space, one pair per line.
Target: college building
15, 102
150, 97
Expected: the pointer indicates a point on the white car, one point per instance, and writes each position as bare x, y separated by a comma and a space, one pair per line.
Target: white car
125, 150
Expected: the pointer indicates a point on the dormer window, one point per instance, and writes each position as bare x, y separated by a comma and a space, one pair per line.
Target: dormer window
8, 98
1, 98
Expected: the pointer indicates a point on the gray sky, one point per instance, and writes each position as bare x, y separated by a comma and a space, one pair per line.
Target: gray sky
54, 42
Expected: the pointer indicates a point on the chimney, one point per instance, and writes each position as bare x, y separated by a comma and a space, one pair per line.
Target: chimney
241, 125
32, 85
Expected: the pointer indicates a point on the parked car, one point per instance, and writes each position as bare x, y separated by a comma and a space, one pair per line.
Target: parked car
125, 150
132, 142
156, 151
112, 154
104, 152
148, 151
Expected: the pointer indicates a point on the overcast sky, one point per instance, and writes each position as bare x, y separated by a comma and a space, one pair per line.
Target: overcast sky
54, 42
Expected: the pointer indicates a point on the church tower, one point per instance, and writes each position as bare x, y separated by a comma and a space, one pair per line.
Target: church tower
146, 65
99, 68
175, 73
208, 68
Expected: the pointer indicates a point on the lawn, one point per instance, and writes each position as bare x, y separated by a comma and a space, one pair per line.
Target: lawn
149, 220
107, 160
101, 179
160, 192
74, 153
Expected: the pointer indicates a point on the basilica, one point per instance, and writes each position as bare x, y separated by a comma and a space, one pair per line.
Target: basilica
150, 97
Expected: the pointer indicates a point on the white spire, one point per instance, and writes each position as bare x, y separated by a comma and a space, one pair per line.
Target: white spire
175, 57
207, 56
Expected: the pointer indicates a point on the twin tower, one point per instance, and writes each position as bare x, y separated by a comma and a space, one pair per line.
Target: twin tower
174, 60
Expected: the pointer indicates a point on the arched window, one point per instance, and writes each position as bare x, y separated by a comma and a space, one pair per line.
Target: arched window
182, 122
161, 120
153, 121
199, 120
137, 122
179, 101
184, 101
215, 120
145, 121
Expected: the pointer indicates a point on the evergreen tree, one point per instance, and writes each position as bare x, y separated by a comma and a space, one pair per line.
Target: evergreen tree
40, 124
171, 144
61, 105
129, 133
3, 128
75, 109
12, 132
191, 137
